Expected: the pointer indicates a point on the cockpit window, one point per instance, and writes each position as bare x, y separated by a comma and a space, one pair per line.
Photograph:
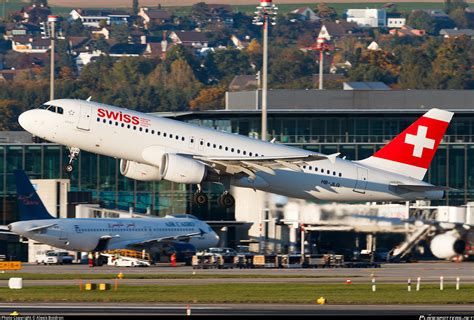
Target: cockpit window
52, 108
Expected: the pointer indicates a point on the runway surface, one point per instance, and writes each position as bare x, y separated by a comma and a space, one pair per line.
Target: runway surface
234, 309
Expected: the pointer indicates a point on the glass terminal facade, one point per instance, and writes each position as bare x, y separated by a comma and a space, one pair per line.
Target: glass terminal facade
355, 136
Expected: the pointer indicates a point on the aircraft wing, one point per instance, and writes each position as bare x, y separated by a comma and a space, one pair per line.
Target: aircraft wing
251, 165
180, 237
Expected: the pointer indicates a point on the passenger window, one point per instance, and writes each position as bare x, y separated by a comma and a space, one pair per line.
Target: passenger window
164, 134
171, 135
140, 129
152, 131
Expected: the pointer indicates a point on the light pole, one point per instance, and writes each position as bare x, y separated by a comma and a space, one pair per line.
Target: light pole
265, 14
322, 45
52, 20
49, 32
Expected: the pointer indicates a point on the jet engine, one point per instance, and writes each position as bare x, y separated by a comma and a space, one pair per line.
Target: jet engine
139, 171
447, 245
181, 169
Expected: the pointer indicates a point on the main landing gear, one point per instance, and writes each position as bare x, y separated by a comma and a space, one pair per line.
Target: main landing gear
225, 200
73, 154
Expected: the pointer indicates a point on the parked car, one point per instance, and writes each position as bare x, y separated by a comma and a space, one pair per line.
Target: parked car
53, 257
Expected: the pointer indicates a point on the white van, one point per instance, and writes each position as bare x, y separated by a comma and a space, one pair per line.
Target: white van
53, 257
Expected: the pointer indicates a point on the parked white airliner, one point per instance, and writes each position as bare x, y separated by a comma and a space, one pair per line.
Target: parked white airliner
98, 234
155, 148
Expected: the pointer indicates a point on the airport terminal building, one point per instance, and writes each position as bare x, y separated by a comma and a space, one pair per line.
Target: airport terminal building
354, 123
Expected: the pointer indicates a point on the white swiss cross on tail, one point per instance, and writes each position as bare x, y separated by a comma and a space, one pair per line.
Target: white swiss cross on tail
410, 153
420, 141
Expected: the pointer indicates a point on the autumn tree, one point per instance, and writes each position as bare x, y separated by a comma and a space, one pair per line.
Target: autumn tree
211, 98
324, 11
451, 68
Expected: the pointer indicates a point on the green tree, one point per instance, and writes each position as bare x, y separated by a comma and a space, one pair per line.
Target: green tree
450, 5
458, 15
292, 68
120, 32
451, 68
415, 69
420, 19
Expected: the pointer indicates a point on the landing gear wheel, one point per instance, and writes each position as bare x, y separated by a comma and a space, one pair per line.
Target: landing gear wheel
226, 200
200, 198
73, 154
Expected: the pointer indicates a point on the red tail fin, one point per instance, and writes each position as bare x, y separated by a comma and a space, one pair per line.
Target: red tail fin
411, 152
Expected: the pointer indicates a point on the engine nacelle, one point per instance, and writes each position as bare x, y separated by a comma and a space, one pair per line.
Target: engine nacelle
181, 169
447, 246
139, 171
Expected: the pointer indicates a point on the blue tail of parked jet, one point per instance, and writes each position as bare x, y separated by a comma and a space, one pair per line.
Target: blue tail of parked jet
29, 203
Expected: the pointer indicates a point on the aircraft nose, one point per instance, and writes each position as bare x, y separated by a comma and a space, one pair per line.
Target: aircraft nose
24, 120
215, 238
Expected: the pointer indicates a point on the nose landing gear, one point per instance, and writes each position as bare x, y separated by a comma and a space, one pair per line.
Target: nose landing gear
73, 154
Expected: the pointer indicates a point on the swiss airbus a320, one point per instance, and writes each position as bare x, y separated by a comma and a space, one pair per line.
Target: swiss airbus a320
154, 148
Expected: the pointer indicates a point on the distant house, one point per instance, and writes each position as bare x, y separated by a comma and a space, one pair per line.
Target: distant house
127, 50
221, 13
306, 14
454, 33
396, 22
26, 44
193, 39
35, 13
21, 29
407, 31
239, 44
374, 46
85, 58
77, 44
156, 16
92, 18
339, 29
367, 18
101, 32
243, 82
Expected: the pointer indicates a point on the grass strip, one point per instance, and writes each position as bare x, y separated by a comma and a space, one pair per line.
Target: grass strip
248, 293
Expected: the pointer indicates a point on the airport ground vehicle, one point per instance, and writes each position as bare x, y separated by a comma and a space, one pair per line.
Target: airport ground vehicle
53, 257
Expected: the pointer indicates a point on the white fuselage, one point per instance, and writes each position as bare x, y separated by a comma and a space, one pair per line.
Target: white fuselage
85, 234
105, 130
